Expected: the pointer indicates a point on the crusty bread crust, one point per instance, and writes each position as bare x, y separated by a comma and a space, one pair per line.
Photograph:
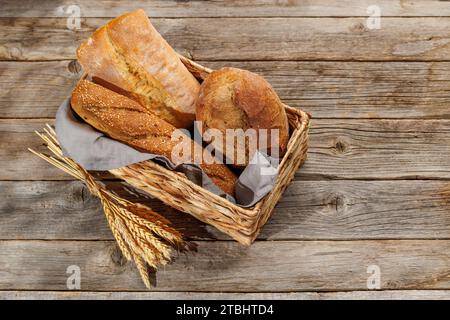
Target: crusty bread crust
233, 98
127, 121
129, 53
139, 40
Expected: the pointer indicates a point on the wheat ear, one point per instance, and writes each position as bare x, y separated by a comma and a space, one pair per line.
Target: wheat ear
141, 234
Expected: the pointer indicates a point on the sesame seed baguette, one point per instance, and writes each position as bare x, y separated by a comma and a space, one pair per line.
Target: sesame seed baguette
125, 120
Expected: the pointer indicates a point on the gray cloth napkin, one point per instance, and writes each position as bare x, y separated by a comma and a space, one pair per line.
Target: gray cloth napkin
95, 151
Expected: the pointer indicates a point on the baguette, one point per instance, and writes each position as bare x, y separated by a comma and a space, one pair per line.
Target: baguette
130, 54
125, 120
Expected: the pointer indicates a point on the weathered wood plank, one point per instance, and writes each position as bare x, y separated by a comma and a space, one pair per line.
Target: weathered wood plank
309, 210
15, 139
227, 266
378, 149
66, 210
233, 8
247, 38
339, 149
325, 89
358, 295
36, 89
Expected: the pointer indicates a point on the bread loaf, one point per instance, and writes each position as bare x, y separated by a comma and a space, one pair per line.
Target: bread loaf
232, 98
127, 121
130, 54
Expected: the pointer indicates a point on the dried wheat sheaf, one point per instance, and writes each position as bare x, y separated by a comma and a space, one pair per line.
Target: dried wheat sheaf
141, 234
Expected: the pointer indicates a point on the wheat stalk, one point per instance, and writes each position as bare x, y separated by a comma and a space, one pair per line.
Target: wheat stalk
142, 235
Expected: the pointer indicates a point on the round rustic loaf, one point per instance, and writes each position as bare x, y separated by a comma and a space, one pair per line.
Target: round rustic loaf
233, 98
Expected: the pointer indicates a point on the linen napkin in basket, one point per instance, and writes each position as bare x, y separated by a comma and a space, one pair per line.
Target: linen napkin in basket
95, 151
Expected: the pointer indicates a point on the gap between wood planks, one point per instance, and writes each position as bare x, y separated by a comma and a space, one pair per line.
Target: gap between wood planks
257, 60
434, 118
252, 60
238, 17
199, 295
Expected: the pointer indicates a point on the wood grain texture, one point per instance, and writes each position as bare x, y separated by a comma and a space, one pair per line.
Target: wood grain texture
36, 89
402, 39
309, 210
227, 266
15, 139
351, 295
66, 210
325, 89
227, 8
339, 149
378, 149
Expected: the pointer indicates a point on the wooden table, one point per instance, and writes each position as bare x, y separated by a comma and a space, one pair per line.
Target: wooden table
374, 194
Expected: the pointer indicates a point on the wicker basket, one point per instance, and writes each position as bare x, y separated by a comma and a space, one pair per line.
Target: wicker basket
175, 190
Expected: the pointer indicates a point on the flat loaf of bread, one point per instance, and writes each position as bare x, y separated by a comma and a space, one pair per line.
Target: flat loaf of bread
128, 53
127, 121
232, 98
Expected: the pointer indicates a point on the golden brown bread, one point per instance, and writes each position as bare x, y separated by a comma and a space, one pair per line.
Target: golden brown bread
125, 120
130, 54
232, 98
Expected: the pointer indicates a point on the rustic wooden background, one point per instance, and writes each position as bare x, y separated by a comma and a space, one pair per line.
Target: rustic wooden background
375, 189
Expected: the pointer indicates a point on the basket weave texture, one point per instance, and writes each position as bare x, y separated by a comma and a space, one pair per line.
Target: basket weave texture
175, 190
